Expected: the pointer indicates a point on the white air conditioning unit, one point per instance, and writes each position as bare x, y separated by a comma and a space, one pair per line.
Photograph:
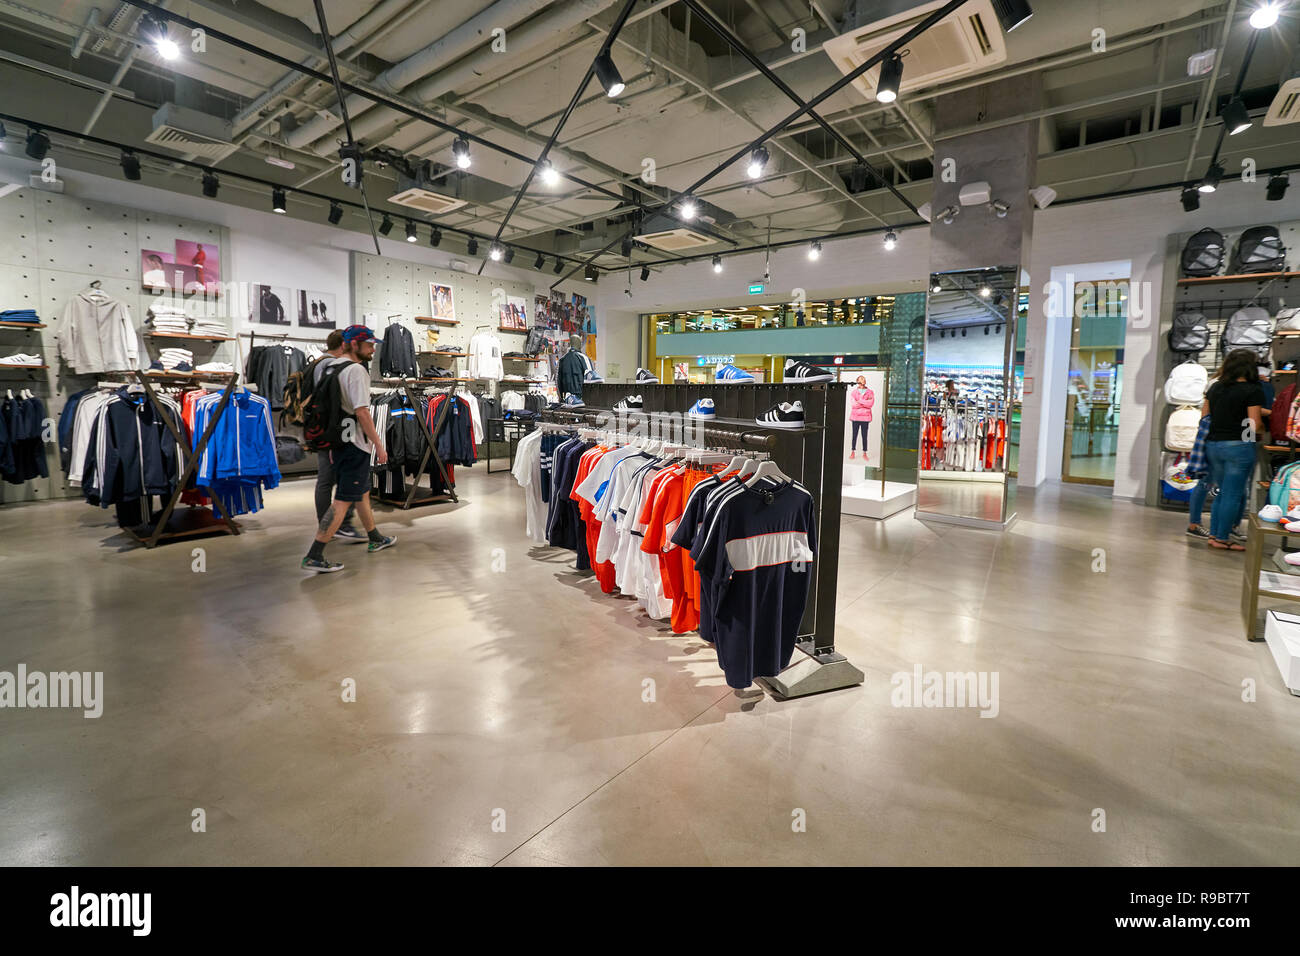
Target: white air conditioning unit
426, 200
675, 240
966, 42
184, 130
1285, 107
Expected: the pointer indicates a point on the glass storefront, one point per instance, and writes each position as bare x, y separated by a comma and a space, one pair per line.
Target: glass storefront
1095, 382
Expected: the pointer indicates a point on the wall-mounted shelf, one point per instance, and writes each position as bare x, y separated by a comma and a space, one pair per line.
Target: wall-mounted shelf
456, 354
429, 320
185, 335
6, 365
22, 325
1248, 277
502, 328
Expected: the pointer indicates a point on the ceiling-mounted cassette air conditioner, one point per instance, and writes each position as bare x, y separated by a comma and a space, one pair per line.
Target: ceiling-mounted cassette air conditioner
1285, 107
190, 131
675, 240
966, 42
426, 200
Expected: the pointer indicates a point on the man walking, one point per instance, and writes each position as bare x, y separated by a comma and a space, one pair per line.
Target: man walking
351, 459
324, 467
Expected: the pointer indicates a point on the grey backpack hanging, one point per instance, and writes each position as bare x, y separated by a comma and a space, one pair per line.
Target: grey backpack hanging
1258, 249
1249, 328
1203, 254
1190, 334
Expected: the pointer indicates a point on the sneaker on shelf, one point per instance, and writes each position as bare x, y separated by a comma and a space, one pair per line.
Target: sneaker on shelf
382, 543
783, 415
729, 374
1270, 513
155, 368
321, 565
572, 401
703, 409
184, 367
630, 404
350, 533
646, 377
805, 373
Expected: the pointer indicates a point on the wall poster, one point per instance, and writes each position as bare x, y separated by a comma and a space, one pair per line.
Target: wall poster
865, 401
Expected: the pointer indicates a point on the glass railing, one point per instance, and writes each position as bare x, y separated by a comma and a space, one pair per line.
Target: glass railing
837, 313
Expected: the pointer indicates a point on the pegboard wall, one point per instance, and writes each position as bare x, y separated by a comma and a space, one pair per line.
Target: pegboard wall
393, 290
1217, 299
53, 246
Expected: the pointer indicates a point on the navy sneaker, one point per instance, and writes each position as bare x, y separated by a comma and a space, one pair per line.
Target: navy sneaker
646, 377
320, 565
351, 533
729, 374
572, 401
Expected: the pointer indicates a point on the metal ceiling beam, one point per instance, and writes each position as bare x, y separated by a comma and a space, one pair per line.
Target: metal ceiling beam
1207, 94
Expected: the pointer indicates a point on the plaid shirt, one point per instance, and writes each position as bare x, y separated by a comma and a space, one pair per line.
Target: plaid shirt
1197, 464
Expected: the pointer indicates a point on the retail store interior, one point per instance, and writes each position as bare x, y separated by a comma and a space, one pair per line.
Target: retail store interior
482, 432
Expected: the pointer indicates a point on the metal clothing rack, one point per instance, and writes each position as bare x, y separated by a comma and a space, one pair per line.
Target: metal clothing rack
430, 451
812, 455
193, 521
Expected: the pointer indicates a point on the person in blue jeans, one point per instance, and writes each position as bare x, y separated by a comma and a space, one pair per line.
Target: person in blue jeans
1235, 405
1199, 468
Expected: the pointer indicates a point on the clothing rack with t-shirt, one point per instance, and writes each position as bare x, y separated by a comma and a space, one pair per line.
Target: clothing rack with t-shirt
646, 519
963, 434
412, 427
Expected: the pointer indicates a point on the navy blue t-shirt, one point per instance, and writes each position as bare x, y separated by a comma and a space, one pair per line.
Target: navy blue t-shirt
755, 555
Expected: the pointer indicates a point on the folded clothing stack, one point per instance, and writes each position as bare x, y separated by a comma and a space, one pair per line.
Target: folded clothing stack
215, 367
168, 319
19, 315
176, 360
21, 359
212, 327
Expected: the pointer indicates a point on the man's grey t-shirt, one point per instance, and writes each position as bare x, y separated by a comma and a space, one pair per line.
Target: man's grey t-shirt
354, 385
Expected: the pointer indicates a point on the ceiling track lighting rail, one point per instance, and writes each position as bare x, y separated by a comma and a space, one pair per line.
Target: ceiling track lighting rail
38, 141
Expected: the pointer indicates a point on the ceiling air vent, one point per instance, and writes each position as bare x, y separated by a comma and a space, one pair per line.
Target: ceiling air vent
675, 240
1285, 107
192, 132
966, 42
426, 200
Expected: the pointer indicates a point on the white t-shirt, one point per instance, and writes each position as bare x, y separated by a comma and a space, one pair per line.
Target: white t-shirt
354, 384
528, 472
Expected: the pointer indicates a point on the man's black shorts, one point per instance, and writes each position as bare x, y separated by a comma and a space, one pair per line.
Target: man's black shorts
351, 473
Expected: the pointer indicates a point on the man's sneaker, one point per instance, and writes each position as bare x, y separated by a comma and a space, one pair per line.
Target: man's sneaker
387, 542
729, 373
591, 376
804, 373
646, 377
703, 409
630, 404
572, 401
1198, 532
350, 533
1237, 536
783, 415
321, 565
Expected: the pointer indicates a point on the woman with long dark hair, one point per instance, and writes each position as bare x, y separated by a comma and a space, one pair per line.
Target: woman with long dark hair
1235, 405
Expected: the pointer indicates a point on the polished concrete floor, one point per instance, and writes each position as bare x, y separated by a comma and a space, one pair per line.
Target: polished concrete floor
500, 713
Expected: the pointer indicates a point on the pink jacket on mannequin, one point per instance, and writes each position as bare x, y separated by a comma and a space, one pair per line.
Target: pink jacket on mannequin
863, 399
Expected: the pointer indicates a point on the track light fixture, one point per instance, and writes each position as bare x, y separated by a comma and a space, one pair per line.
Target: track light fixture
1012, 13
986, 330
3, 134
891, 75
38, 144
645, 273
985, 292
130, 163
1265, 15
435, 237
891, 240
1235, 117
411, 234
608, 74
815, 251
549, 176
998, 208
688, 209
757, 161
1277, 184
495, 252
278, 203
539, 261
471, 247
590, 273
156, 31
625, 248
717, 263
963, 333
559, 265
1211, 181
460, 149
386, 226
509, 256
936, 288
1191, 199
336, 214
949, 214
210, 185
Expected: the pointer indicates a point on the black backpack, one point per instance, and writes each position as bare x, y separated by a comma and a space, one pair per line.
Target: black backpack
1190, 334
323, 414
1203, 254
1258, 249
297, 392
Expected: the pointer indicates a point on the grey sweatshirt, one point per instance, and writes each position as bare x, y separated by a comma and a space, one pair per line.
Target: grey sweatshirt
96, 334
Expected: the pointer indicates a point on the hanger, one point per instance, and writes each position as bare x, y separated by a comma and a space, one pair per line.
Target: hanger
766, 469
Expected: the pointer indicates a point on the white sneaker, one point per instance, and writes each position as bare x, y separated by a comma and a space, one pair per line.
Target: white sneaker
1292, 557
1270, 513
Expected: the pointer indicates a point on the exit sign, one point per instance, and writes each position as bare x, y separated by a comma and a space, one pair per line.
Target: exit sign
757, 288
